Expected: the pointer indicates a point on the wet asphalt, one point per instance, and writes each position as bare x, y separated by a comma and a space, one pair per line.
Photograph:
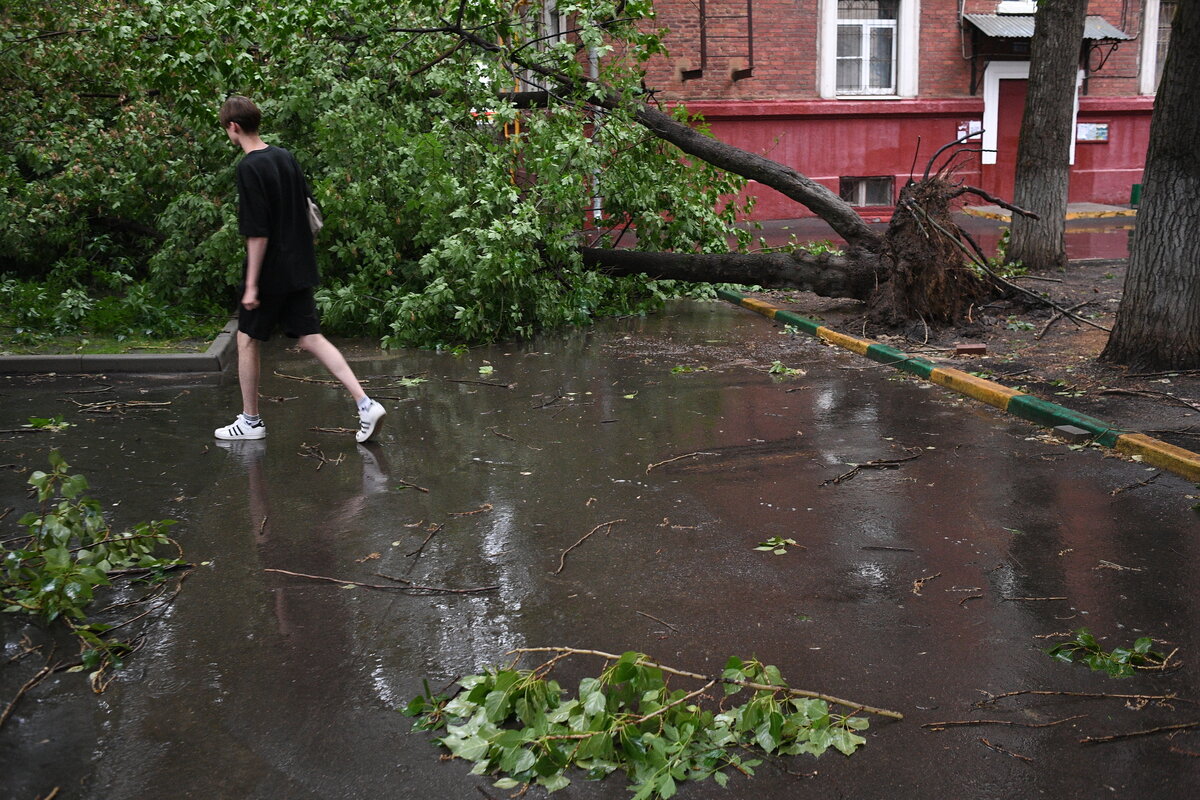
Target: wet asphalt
918, 588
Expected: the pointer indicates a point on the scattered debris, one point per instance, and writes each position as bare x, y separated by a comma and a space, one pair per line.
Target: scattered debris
677, 458
919, 583
312, 451
408, 586
881, 463
1000, 749
562, 561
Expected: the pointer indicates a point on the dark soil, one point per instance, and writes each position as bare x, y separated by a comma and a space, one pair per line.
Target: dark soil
1032, 348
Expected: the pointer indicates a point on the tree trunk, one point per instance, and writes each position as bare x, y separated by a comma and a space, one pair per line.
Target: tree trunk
1158, 323
1043, 150
824, 274
915, 271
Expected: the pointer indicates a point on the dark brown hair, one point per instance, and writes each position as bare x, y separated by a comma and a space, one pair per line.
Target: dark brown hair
242, 111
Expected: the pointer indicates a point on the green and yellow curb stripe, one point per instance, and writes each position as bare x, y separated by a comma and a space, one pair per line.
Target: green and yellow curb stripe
1026, 406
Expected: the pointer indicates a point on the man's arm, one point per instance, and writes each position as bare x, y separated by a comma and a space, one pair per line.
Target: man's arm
256, 249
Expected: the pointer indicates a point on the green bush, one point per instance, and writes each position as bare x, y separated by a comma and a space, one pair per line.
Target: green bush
451, 216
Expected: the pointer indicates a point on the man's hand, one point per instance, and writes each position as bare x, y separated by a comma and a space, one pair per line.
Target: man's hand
250, 298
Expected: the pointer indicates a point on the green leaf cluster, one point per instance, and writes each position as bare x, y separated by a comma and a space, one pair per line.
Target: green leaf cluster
1122, 662
519, 725
67, 553
451, 216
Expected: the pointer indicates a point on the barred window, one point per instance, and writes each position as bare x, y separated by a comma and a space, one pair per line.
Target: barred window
866, 46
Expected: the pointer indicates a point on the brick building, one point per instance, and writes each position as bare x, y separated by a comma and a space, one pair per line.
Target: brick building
842, 90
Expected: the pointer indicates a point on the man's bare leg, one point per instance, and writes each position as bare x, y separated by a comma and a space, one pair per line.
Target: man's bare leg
332, 359
248, 373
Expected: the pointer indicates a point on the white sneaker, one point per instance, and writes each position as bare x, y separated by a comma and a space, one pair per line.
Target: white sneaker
240, 429
369, 422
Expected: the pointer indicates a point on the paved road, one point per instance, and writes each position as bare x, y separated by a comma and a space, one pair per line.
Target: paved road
258, 685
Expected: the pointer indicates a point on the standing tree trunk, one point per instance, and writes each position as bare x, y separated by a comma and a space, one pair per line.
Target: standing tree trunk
1158, 323
1044, 147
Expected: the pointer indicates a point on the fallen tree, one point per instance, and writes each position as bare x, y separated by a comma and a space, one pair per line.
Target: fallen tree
917, 269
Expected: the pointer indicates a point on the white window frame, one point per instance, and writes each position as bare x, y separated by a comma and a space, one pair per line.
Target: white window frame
548, 20
906, 52
1147, 79
995, 72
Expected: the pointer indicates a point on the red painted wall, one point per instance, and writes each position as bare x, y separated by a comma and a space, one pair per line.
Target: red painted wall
778, 111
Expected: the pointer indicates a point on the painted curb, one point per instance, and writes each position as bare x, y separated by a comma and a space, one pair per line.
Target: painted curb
220, 354
1033, 409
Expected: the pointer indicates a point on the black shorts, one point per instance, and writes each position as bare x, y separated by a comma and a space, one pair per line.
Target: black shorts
295, 312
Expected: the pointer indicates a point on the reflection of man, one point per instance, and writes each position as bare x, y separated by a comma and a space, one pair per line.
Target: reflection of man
277, 553
280, 271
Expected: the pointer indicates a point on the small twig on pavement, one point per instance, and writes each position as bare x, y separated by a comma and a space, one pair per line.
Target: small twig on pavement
1030, 599
1152, 393
483, 508
937, 726
656, 619
1000, 749
1183, 726
677, 458
412, 486
433, 532
880, 463
1056, 316
1161, 698
29, 684
919, 583
562, 561
410, 587
1146, 482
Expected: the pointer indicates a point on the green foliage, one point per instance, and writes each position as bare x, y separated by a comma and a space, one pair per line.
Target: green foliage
55, 423
776, 544
68, 552
519, 725
778, 369
999, 263
451, 217
1120, 663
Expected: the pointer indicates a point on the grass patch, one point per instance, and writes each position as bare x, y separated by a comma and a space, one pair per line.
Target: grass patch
43, 319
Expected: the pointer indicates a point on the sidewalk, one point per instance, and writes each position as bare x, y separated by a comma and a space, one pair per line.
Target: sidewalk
219, 355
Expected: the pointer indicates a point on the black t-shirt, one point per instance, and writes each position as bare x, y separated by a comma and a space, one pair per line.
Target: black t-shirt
273, 202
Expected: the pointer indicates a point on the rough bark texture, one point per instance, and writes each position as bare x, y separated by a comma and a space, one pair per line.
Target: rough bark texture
1158, 324
1043, 150
824, 274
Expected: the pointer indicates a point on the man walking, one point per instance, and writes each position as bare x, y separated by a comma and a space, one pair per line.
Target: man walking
280, 271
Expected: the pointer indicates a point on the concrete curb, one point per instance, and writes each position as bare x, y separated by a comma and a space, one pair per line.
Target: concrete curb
1043, 413
220, 354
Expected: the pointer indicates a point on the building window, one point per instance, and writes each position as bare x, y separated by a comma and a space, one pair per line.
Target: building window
1166, 15
869, 48
873, 191
866, 46
1156, 37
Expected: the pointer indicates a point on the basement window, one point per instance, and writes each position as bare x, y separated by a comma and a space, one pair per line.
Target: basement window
870, 191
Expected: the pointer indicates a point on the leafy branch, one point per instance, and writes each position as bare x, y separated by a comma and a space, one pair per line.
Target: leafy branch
518, 725
1120, 663
67, 554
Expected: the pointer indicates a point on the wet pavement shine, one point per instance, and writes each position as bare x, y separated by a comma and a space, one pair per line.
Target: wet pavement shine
918, 588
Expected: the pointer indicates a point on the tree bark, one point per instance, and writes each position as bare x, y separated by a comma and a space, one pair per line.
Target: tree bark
1044, 146
1158, 323
824, 274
